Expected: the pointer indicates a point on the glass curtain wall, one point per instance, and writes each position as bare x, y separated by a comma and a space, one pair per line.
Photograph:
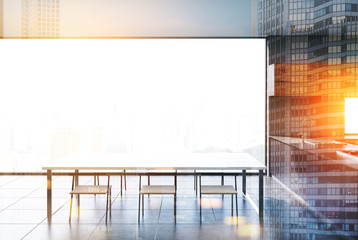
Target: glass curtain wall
312, 69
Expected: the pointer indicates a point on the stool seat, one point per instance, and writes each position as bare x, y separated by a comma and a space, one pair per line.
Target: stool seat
90, 189
157, 189
218, 189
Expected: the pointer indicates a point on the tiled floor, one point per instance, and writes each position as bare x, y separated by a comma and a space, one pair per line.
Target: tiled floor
23, 211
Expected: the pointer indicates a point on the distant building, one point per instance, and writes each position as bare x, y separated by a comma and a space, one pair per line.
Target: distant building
97, 144
1, 18
64, 142
41, 18
4, 141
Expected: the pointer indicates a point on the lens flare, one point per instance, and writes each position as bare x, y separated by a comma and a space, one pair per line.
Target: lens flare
249, 230
211, 203
154, 205
235, 220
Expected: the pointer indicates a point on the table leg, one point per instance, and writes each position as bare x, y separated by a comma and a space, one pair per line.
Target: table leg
78, 196
121, 185
244, 182
125, 180
76, 178
49, 195
222, 184
175, 180
194, 180
261, 196
196, 184
175, 197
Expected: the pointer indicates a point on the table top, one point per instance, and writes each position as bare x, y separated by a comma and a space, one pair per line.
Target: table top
149, 161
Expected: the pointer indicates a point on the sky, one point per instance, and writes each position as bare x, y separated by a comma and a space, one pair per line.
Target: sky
118, 18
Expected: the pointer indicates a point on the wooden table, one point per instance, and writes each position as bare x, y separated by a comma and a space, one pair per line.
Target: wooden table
224, 162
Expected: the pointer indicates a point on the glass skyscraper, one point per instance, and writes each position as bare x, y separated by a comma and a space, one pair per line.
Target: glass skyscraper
311, 69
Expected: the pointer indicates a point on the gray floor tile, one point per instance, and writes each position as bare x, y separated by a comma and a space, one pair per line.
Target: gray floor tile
22, 216
186, 217
61, 231
25, 201
188, 231
15, 192
85, 216
124, 231
15, 231
37, 203
6, 202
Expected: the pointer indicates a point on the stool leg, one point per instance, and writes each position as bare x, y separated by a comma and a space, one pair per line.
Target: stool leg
110, 201
78, 204
200, 205
232, 205
175, 205
237, 211
121, 184
69, 220
139, 209
107, 207
142, 204
125, 180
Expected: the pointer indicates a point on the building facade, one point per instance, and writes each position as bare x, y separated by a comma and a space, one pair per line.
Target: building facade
312, 67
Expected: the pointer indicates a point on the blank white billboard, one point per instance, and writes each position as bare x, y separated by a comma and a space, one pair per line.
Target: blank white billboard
59, 97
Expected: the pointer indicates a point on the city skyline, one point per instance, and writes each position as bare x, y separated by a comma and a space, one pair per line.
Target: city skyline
155, 18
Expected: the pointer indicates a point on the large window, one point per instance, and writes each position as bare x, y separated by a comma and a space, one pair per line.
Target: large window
59, 97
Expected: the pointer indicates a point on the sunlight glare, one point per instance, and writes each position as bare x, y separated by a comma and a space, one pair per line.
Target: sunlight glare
351, 115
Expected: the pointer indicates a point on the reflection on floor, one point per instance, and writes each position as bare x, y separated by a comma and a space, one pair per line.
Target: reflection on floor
23, 211
287, 216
